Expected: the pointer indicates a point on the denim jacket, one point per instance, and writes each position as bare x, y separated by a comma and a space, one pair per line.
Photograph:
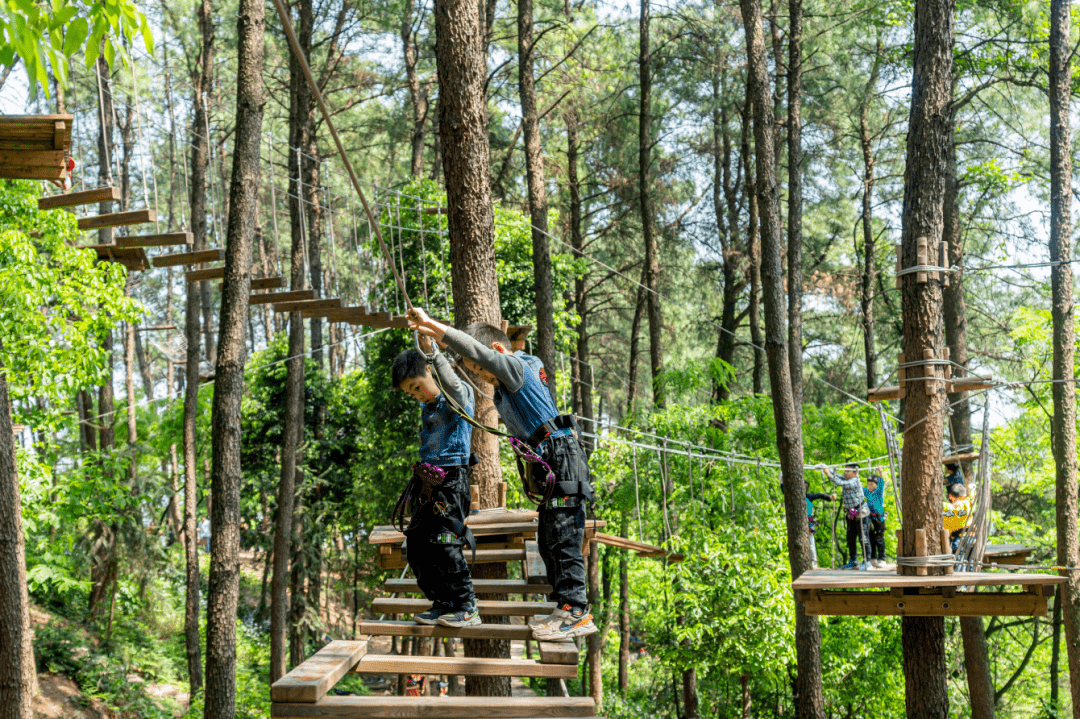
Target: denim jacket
445, 438
527, 408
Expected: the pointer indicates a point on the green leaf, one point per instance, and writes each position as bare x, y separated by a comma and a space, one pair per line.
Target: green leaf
76, 35
61, 17
110, 51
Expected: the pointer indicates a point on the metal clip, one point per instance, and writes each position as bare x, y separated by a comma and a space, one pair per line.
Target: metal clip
429, 356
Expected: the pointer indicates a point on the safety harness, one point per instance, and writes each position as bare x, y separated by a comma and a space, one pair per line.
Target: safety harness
419, 498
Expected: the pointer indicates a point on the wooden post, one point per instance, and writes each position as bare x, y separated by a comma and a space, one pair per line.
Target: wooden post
901, 375
943, 260
899, 549
946, 548
920, 277
502, 494
474, 499
930, 372
920, 550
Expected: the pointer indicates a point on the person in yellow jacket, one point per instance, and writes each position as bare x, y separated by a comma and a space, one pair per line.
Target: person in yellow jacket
956, 513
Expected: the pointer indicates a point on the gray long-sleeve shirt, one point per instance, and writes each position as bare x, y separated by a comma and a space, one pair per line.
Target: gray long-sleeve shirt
451, 383
508, 369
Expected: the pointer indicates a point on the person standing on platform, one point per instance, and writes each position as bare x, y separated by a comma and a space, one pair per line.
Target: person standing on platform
855, 510
874, 492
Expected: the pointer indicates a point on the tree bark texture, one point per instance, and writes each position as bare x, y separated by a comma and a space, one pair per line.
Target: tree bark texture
808, 692
753, 249
534, 173
794, 220
624, 611
648, 220
201, 83
635, 346
726, 211
928, 142
18, 676
417, 97
463, 130
226, 477
1063, 434
103, 569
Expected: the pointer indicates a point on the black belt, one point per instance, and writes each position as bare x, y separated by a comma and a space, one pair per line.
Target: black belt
563, 421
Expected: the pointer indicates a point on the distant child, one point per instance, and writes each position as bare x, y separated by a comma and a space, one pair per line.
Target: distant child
954, 476
855, 510
811, 497
874, 492
955, 514
438, 493
524, 402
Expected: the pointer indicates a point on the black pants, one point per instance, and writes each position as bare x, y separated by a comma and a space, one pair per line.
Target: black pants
875, 528
856, 537
561, 530
436, 555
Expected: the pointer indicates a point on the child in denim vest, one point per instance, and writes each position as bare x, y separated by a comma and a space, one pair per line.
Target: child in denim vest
438, 493
524, 403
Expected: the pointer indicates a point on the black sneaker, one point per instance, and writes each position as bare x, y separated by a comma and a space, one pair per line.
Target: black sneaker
431, 616
466, 616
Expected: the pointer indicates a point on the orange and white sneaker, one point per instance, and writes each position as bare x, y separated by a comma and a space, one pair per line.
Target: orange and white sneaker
555, 617
571, 623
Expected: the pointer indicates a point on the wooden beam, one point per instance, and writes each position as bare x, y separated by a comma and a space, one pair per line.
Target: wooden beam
33, 172
535, 569
267, 283
61, 135
388, 535
564, 652
436, 707
189, 258
412, 629
966, 457
35, 132
77, 199
397, 559
117, 219
487, 607
465, 666
291, 296
481, 586
167, 239
312, 679
882, 394
297, 305
32, 158
211, 273
840, 579
865, 604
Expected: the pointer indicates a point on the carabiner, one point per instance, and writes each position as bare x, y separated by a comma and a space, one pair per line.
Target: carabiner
430, 357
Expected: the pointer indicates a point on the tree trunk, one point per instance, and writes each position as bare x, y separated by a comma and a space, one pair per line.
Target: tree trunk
582, 370
297, 577
534, 172
794, 220
594, 642
103, 569
726, 211
105, 142
928, 140
1055, 660
869, 273
624, 610
744, 683
648, 221
635, 342
201, 81
226, 476
1063, 435
753, 249
418, 98
18, 677
129, 386
977, 668
808, 693
463, 132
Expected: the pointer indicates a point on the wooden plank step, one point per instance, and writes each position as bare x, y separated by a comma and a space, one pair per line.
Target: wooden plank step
189, 258
117, 219
33, 172
298, 305
464, 666
384, 707
313, 678
412, 629
77, 199
482, 586
389, 535
267, 283
166, 239
564, 652
291, 296
134, 258
488, 607
396, 559
212, 273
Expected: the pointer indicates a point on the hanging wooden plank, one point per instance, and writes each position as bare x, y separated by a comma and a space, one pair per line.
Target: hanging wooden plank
267, 283
32, 158
117, 219
189, 258
213, 273
271, 297
167, 239
563, 652
133, 258
35, 132
313, 678
298, 305
77, 199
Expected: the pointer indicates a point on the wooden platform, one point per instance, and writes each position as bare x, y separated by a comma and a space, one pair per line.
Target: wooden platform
487, 607
1016, 554
840, 592
34, 147
462, 666
482, 586
404, 628
439, 708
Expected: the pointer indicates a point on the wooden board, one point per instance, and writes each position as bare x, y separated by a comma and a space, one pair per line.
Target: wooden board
117, 219
535, 569
564, 652
267, 283
966, 457
76, 199
926, 605
502, 515
487, 607
32, 172
389, 535
882, 394
313, 678
211, 273
35, 132
387, 707
271, 297
133, 258
189, 258
166, 239
298, 305
412, 629
482, 586
464, 666
841, 579
396, 559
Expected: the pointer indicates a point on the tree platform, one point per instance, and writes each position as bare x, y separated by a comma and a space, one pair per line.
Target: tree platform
35, 147
837, 592
1007, 553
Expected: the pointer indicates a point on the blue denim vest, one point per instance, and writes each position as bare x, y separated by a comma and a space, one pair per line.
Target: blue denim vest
445, 438
527, 409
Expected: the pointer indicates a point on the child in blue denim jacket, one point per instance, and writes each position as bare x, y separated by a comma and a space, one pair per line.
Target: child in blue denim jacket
523, 400
438, 493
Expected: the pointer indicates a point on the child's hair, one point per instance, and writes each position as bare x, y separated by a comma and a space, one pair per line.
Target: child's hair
958, 490
409, 363
852, 465
873, 478
952, 466
485, 334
